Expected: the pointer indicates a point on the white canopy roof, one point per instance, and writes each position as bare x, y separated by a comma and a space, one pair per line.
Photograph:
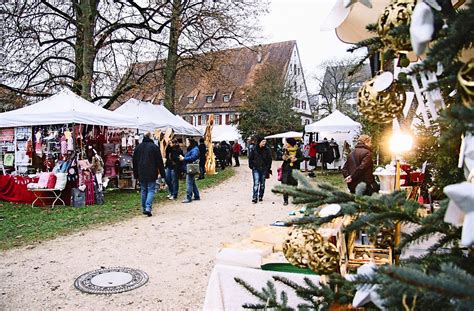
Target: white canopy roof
224, 132
336, 122
149, 117
290, 134
64, 108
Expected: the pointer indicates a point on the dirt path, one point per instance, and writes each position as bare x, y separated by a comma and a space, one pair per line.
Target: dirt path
176, 248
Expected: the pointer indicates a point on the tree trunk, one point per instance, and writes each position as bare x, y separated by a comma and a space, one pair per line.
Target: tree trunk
172, 59
86, 14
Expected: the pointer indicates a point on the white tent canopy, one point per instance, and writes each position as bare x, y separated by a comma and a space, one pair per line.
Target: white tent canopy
334, 123
224, 132
64, 108
149, 117
290, 134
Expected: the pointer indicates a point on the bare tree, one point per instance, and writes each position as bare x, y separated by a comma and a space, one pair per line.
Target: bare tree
82, 44
87, 45
199, 27
338, 86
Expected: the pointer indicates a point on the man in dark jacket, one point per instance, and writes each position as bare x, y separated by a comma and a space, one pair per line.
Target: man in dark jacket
359, 166
260, 162
147, 162
202, 158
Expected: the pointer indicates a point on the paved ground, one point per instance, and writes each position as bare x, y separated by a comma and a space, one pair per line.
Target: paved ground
176, 248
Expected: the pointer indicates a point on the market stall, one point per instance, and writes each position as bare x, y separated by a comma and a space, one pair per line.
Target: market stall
338, 130
63, 134
224, 133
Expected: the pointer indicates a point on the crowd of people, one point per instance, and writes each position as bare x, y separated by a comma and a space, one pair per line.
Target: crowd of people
148, 163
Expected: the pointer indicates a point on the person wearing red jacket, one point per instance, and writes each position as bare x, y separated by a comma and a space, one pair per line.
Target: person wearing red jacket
236, 149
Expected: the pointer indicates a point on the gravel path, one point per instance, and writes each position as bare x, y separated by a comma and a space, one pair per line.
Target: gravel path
176, 248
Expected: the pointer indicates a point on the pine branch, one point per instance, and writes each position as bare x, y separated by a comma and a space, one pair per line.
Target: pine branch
268, 296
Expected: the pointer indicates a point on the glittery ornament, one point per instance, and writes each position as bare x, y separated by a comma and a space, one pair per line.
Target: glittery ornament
380, 106
466, 83
397, 13
305, 248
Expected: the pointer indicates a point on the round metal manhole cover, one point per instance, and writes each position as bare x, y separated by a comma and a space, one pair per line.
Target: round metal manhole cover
111, 280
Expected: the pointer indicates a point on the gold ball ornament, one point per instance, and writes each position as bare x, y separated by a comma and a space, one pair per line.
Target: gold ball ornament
466, 83
381, 106
396, 14
385, 238
306, 248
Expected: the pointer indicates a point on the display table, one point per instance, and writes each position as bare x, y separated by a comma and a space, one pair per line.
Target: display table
224, 293
13, 189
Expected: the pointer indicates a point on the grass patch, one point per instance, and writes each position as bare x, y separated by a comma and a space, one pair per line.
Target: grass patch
21, 224
334, 178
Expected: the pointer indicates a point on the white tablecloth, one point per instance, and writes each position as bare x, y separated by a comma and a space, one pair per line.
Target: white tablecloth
224, 293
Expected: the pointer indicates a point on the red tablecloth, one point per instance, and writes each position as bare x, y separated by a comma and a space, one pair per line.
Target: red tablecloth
13, 189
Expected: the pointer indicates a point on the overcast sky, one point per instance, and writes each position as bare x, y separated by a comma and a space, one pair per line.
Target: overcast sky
299, 20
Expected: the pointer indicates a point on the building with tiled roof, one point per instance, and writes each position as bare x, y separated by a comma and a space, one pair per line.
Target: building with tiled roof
220, 88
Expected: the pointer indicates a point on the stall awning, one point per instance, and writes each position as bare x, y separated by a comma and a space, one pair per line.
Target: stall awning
64, 108
149, 117
336, 122
290, 134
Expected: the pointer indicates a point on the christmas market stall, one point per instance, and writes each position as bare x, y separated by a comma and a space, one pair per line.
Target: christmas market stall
57, 141
331, 135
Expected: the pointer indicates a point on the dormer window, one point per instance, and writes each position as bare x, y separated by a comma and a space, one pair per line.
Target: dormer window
226, 98
190, 100
209, 99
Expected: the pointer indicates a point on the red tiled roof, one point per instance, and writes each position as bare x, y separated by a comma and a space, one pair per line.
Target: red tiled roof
231, 72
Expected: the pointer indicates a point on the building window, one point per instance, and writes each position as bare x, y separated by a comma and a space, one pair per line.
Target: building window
303, 105
307, 121
199, 121
295, 86
227, 119
301, 88
226, 98
294, 68
209, 98
219, 119
190, 100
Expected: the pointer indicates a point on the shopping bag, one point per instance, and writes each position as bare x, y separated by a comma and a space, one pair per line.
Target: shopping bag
280, 174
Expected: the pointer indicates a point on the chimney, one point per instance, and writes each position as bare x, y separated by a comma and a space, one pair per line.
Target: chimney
259, 53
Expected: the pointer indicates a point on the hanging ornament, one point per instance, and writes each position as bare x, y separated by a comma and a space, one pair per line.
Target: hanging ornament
466, 84
385, 237
397, 13
461, 209
306, 248
349, 3
366, 293
380, 105
421, 27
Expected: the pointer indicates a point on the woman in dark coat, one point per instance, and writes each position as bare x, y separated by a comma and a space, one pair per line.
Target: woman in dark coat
292, 158
359, 166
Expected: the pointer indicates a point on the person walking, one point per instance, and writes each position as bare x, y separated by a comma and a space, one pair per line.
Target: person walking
173, 151
260, 162
147, 162
191, 156
236, 149
223, 154
202, 158
292, 158
359, 166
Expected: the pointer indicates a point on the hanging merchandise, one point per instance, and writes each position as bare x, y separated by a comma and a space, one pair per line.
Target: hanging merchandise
366, 294
380, 106
460, 210
8, 159
306, 248
397, 13
466, 84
